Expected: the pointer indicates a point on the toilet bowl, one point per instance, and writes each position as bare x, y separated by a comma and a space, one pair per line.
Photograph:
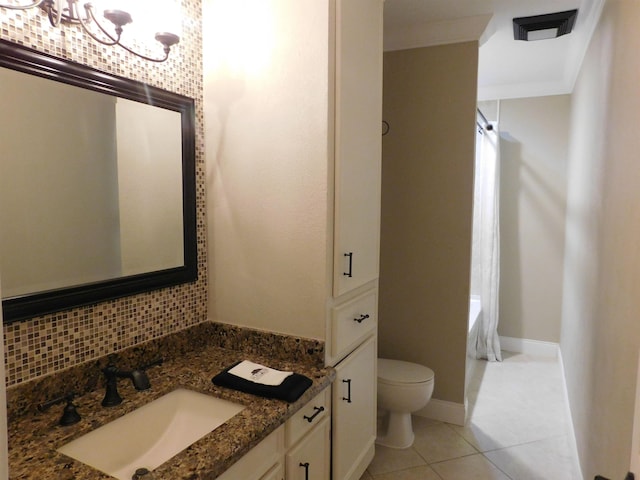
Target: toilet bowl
403, 388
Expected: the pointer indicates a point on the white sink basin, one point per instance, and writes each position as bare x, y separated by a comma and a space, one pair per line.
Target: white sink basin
152, 434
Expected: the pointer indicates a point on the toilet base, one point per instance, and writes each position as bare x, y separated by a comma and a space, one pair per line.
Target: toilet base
399, 432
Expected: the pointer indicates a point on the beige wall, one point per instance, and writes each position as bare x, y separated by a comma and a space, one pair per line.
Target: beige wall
427, 189
600, 327
534, 136
267, 109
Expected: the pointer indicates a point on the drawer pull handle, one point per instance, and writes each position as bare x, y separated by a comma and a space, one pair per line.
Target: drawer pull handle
350, 272
318, 410
361, 319
306, 470
348, 397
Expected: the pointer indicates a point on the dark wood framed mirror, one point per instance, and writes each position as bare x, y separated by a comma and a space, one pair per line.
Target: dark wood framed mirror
97, 185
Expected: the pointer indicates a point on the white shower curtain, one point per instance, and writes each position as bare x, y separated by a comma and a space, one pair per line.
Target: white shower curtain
487, 342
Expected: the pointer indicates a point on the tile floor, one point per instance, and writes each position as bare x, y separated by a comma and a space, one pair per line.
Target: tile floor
517, 430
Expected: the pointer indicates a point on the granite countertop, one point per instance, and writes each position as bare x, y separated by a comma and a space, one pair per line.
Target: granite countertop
34, 437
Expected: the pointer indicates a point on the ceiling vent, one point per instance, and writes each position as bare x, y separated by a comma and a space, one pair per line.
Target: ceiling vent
543, 27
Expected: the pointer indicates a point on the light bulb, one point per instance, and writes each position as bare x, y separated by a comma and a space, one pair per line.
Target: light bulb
148, 16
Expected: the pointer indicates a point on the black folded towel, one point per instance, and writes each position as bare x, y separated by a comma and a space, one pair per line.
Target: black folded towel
289, 390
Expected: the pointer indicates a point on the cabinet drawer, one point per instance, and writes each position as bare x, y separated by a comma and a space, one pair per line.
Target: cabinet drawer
308, 417
352, 322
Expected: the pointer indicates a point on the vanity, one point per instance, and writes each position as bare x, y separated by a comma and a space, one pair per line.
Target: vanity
267, 439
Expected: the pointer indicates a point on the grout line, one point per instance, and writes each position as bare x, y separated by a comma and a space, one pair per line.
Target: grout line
528, 442
455, 458
462, 437
437, 474
499, 469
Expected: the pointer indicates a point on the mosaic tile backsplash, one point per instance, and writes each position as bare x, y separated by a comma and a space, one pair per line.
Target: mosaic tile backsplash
50, 343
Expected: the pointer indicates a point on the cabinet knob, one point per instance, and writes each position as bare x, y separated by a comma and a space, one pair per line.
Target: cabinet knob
318, 410
306, 470
349, 272
348, 397
361, 318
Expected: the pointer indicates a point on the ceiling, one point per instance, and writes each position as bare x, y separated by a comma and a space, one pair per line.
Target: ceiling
507, 68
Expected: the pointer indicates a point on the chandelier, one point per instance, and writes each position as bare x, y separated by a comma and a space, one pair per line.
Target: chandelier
80, 12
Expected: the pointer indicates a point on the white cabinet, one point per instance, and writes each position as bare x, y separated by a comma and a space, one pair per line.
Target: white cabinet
358, 150
353, 321
263, 462
354, 412
308, 440
309, 459
298, 450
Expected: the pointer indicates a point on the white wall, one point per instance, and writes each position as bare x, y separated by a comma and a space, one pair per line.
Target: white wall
266, 104
600, 329
534, 136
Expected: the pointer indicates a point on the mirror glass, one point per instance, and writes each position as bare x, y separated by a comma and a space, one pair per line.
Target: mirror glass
97, 185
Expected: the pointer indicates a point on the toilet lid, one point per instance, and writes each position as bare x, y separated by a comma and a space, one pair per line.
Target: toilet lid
397, 371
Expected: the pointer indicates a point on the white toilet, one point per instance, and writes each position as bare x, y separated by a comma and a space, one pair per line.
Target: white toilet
403, 388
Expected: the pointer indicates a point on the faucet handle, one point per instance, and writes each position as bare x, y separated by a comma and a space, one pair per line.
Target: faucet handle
111, 396
157, 361
110, 370
70, 415
140, 379
139, 375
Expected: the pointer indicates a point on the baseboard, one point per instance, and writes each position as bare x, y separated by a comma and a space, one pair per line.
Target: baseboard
572, 434
529, 347
444, 411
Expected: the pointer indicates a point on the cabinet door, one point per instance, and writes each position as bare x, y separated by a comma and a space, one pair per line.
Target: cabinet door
309, 459
261, 460
358, 148
276, 473
354, 413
